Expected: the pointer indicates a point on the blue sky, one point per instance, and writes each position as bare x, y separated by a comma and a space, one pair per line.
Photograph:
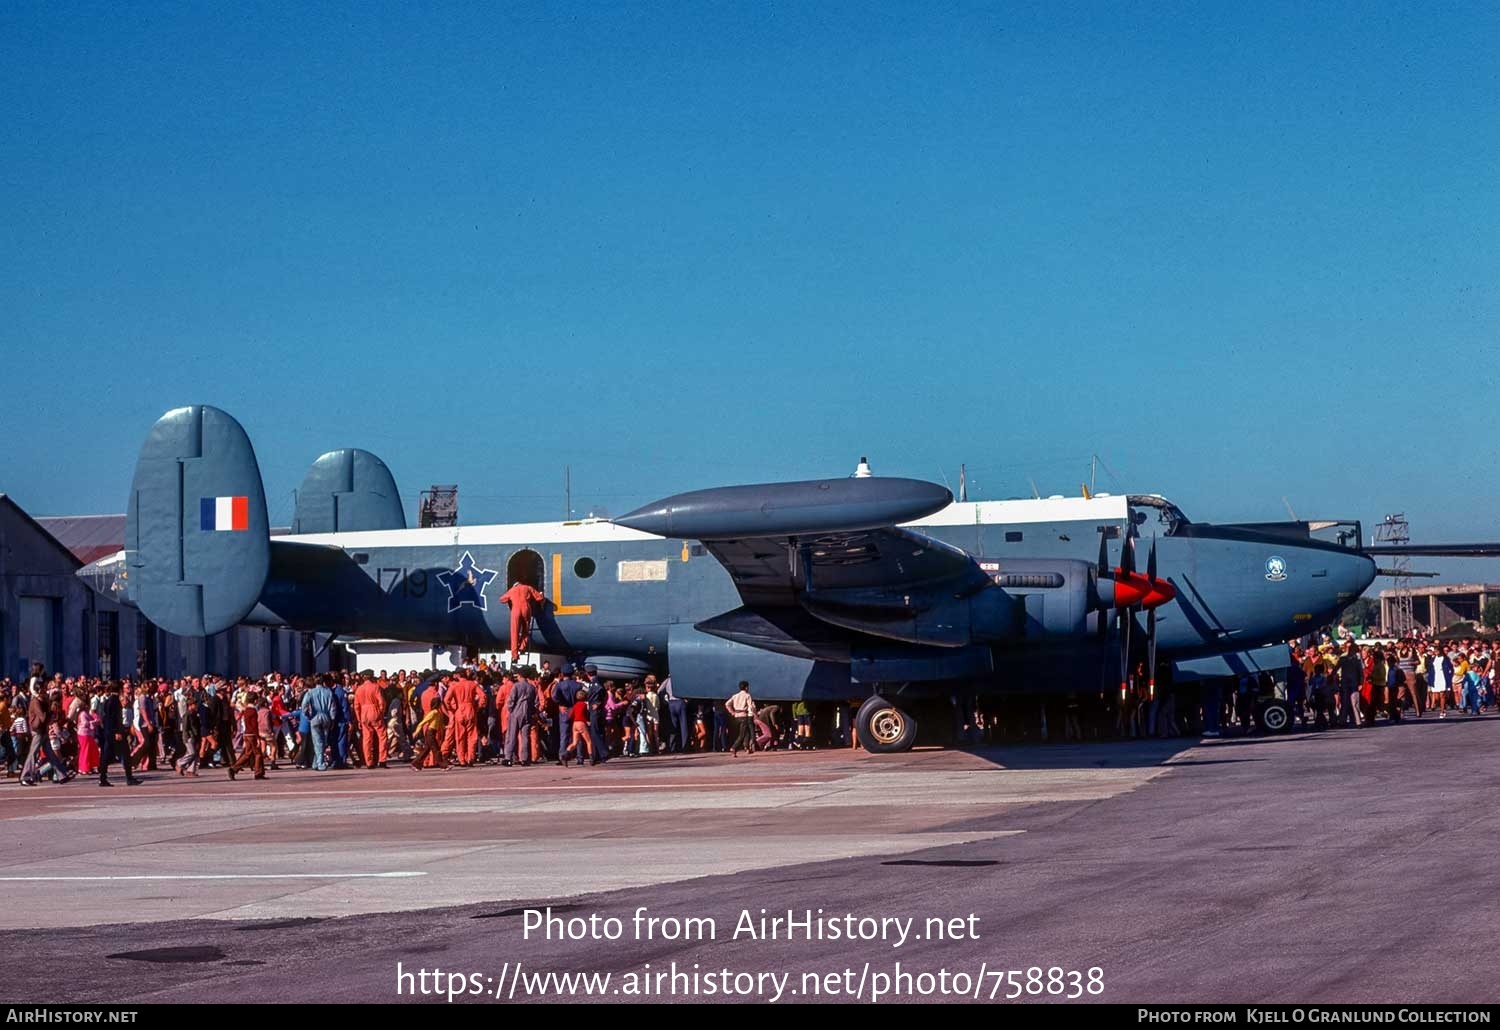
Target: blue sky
1241, 254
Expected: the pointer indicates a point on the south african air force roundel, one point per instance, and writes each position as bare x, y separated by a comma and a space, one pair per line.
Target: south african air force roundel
1276, 568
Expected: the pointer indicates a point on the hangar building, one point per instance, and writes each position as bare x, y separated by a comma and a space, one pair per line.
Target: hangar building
1439, 606
49, 615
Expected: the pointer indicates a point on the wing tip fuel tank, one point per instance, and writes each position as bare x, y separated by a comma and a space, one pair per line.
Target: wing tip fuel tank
789, 509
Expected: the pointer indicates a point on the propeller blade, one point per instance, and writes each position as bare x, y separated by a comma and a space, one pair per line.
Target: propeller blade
1127, 612
1151, 560
1151, 648
1102, 572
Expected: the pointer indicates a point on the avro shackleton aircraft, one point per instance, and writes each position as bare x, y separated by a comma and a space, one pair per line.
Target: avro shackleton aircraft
843, 588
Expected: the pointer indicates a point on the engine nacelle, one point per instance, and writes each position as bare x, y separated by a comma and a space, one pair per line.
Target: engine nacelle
1027, 599
1044, 599
707, 666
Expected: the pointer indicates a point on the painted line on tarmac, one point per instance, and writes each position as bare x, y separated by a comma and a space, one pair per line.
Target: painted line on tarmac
311, 793
400, 874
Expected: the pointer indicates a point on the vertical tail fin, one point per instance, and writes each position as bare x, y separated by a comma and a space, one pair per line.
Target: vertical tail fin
348, 491
197, 542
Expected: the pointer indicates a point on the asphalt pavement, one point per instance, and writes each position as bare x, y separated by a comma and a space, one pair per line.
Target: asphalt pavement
1356, 865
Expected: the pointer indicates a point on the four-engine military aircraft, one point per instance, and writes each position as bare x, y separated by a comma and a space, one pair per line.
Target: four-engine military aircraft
867, 586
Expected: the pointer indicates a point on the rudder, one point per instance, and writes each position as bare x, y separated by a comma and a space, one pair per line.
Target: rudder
197, 540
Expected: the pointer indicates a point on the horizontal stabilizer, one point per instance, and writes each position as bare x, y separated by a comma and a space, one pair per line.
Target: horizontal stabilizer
197, 546
348, 491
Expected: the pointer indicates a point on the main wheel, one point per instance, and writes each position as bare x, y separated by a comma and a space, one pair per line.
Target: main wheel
1274, 716
883, 728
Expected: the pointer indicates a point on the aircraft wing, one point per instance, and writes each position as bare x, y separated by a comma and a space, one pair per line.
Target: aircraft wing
856, 567
826, 545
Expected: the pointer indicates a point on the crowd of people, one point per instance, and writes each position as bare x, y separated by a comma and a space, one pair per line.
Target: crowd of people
1332, 682
1349, 685
56, 728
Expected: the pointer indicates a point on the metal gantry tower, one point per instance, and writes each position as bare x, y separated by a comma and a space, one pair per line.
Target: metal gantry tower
1395, 530
439, 506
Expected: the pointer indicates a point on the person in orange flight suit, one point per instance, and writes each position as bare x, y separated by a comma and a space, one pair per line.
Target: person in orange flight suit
369, 710
539, 727
447, 745
501, 697
523, 599
459, 704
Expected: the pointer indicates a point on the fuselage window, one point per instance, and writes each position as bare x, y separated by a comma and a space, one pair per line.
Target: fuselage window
583, 568
1013, 537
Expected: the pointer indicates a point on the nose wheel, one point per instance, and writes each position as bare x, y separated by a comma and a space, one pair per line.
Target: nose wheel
1274, 716
883, 728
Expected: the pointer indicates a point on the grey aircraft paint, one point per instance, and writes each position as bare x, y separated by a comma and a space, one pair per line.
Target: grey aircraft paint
823, 589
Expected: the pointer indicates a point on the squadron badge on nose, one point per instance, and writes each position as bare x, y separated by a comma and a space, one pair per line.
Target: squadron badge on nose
466, 584
1276, 568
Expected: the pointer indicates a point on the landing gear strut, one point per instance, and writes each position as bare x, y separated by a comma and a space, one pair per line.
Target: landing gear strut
883, 728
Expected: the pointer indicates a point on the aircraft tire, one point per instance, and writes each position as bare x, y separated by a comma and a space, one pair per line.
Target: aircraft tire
883, 728
1274, 717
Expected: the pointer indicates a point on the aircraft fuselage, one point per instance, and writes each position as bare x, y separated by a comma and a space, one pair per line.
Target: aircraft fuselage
628, 595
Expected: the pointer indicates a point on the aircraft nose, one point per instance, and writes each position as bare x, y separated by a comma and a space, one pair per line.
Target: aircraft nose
1349, 574
1359, 573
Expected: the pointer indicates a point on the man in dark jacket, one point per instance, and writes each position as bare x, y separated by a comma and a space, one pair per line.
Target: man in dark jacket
596, 693
1395, 685
676, 714
222, 701
1351, 673
114, 740
41, 713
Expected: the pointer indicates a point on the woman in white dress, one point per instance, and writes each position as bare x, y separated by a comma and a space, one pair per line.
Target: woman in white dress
1437, 686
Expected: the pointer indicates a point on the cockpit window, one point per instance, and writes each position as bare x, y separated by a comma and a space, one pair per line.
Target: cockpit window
1168, 516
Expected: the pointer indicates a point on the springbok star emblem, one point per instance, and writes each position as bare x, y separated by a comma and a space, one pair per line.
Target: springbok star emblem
466, 584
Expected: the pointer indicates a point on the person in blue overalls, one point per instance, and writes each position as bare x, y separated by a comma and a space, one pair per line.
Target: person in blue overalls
1296, 690
343, 714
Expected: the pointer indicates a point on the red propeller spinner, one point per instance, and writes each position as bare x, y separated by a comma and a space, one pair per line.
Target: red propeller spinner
1138, 590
